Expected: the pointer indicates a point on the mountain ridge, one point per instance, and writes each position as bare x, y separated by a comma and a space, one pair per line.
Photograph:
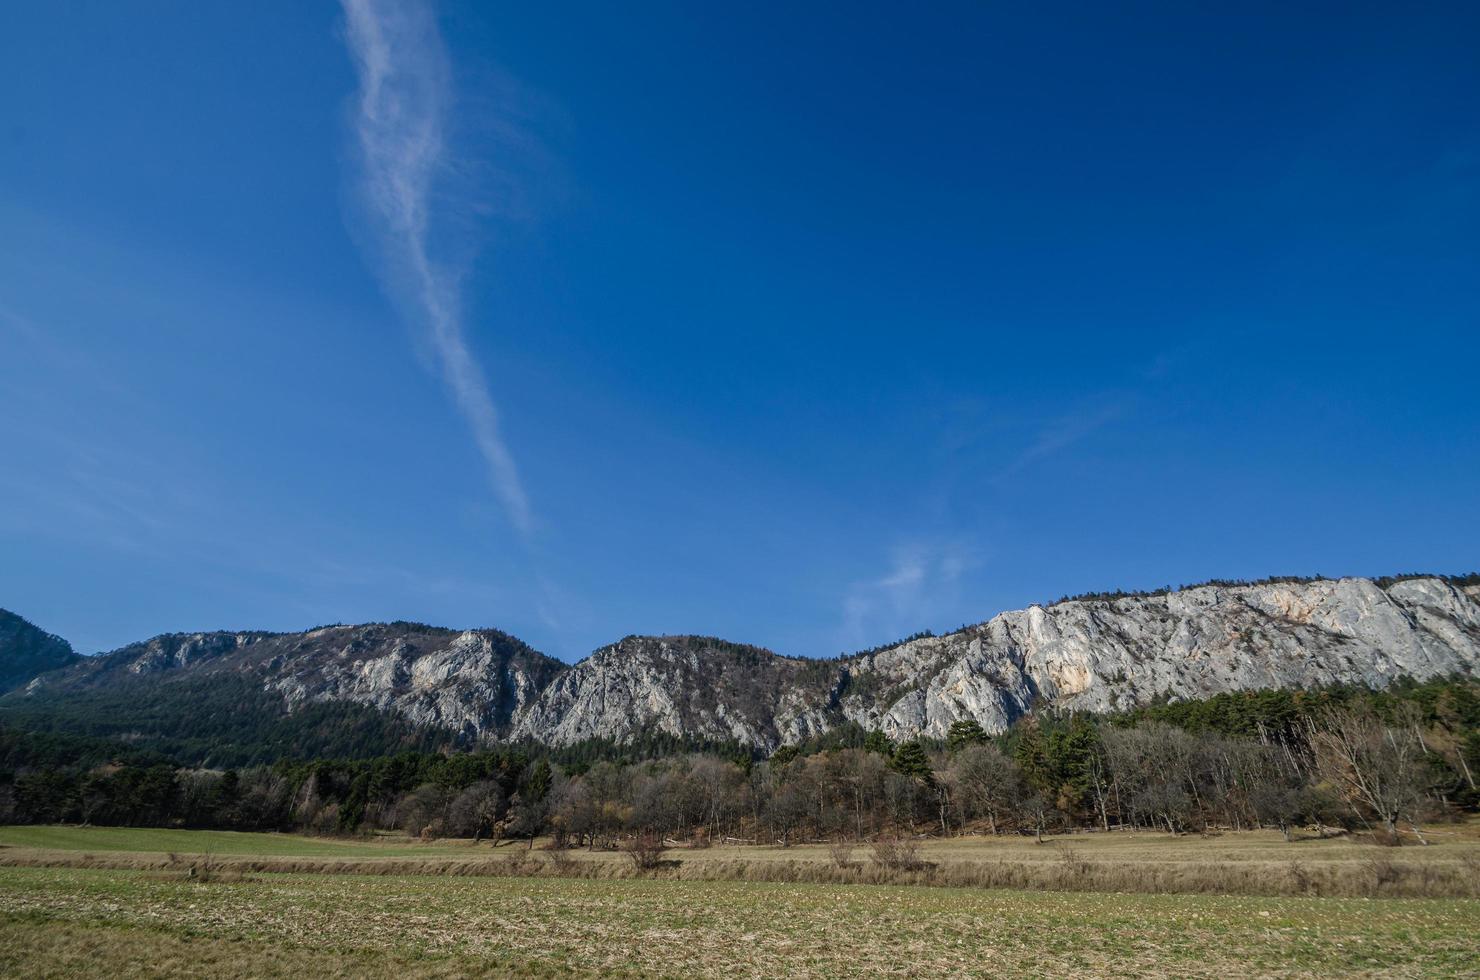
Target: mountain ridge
1095, 654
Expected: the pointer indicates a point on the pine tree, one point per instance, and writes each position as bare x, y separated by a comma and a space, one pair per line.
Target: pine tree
538, 784
910, 760
1031, 755
967, 731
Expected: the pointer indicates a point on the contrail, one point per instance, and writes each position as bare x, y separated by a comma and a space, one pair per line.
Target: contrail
404, 91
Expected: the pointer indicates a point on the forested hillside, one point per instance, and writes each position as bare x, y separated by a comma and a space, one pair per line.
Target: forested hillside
1343, 757
26, 650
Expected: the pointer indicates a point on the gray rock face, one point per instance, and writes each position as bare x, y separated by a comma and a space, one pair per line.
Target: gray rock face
684, 686
1104, 655
1093, 655
473, 683
469, 683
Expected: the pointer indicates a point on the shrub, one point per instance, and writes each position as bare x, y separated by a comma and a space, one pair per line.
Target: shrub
1073, 869
897, 853
646, 851
1300, 879
1382, 873
841, 852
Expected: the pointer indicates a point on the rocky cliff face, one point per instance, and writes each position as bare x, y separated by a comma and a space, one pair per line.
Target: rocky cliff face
1094, 655
1103, 655
686, 686
470, 683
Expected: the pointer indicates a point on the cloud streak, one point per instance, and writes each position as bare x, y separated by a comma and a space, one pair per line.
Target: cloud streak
399, 123
922, 583
1061, 435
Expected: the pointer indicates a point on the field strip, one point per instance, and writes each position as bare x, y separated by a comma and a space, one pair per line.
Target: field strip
1377, 877
165, 924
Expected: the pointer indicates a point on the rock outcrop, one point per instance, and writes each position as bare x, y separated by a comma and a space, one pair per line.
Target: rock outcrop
1097, 654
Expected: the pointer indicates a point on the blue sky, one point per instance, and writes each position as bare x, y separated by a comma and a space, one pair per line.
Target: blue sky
801, 326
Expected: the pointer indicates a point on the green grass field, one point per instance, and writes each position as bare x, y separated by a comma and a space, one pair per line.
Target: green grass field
155, 840
59, 922
153, 919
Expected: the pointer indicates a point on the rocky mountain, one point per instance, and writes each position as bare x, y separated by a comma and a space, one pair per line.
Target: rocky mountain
685, 686
1110, 654
1094, 654
470, 683
27, 650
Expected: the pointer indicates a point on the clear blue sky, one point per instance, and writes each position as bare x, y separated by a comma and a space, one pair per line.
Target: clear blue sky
806, 327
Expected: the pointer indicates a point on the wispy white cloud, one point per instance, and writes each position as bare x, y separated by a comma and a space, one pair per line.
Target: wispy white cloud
1062, 433
921, 584
400, 120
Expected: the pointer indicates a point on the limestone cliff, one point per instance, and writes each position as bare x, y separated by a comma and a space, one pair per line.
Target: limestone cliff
1090, 654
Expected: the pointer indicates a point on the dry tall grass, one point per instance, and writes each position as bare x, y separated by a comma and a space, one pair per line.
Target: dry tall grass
1376, 876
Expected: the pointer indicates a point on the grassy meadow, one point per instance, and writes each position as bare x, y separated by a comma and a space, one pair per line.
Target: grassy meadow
71, 921
160, 840
1246, 863
145, 902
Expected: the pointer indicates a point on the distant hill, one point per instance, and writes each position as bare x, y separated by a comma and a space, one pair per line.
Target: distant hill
371, 689
26, 650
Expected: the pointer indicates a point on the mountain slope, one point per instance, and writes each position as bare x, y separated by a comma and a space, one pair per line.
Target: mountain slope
1109, 654
687, 686
1093, 654
225, 695
27, 650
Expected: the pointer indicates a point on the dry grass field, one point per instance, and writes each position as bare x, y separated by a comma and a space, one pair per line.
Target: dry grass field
1246, 863
71, 921
135, 903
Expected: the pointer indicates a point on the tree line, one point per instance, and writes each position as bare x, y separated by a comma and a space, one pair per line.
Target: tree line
1382, 582
1345, 757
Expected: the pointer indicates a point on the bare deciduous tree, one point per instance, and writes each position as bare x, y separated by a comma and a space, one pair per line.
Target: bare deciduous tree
989, 782
1379, 769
